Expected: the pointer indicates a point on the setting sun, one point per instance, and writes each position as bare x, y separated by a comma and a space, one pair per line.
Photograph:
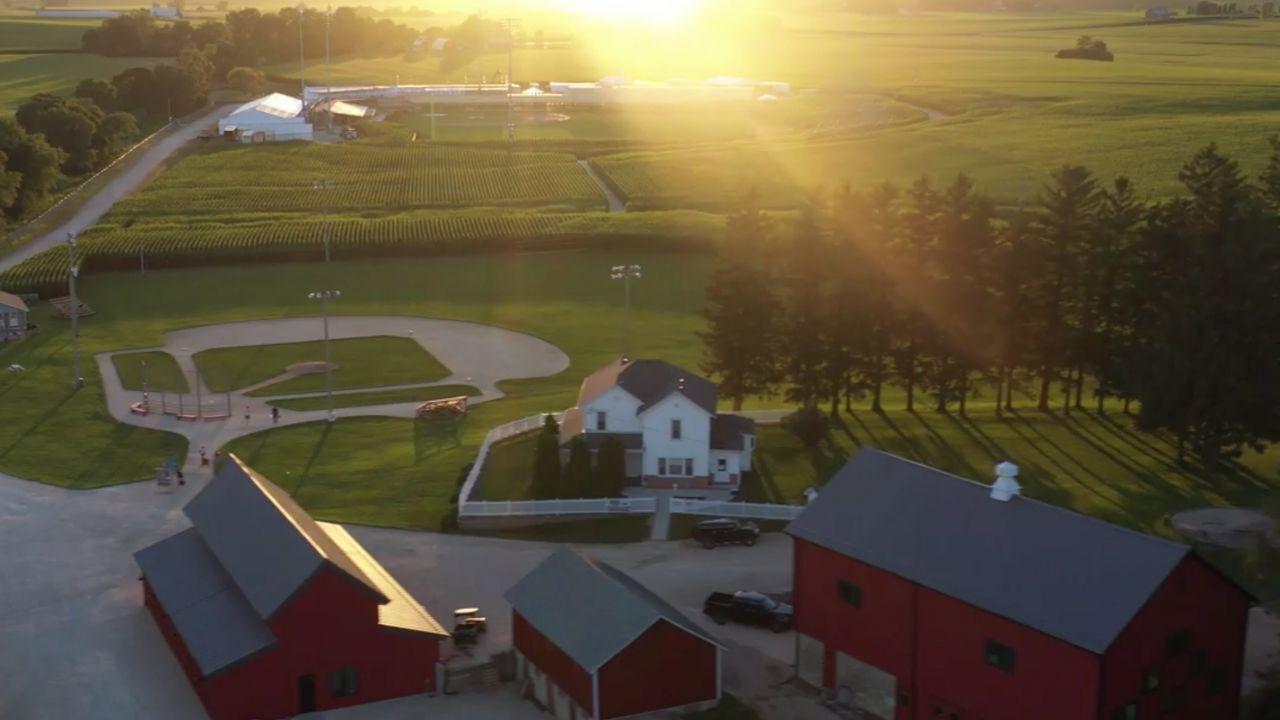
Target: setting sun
658, 12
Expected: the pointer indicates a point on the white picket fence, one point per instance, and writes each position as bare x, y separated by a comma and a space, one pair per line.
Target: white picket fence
468, 508
528, 508
720, 508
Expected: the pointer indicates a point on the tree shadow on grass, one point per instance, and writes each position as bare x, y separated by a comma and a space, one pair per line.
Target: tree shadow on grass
1035, 438
311, 461
434, 436
44, 418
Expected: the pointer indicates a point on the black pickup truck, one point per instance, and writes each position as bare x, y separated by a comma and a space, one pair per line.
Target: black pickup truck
748, 608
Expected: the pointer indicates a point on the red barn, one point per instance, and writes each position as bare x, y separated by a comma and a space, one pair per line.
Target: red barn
271, 613
920, 594
593, 643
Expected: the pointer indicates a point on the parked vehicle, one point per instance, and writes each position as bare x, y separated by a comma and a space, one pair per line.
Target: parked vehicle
749, 608
725, 531
468, 625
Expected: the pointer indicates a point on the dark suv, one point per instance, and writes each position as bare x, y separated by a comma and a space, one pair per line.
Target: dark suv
725, 531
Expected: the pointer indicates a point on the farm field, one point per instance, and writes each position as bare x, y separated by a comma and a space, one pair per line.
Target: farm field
172, 241
359, 363
1015, 114
366, 176
674, 125
22, 76
42, 34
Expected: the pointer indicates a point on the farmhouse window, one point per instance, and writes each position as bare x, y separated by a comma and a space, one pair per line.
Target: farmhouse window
675, 467
675, 428
688, 467
722, 464
342, 682
662, 466
1000, 656
601, 420
1176, 643
849, 593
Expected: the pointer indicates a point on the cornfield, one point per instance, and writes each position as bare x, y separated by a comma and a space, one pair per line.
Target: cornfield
272, 239
364, 177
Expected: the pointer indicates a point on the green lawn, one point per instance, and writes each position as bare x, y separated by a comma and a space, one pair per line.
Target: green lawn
161, 372
377, 397
508, 474
361, 363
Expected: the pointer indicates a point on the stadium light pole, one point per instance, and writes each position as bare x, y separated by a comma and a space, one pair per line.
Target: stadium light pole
626, 273
302, 55
324, 296
73, 272
323, 186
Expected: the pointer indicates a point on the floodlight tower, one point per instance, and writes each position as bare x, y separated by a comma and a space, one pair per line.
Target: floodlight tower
626, 273
511, 62
324, 186
302, 55
73, 273
324, 296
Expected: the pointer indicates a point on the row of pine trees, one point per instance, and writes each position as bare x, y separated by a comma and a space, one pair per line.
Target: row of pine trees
1091, 298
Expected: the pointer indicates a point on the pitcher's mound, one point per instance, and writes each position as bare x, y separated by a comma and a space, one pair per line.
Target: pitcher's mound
1228, 527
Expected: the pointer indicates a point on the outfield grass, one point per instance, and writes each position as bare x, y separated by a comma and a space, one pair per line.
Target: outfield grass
508, 473
161, 373
377, 397
360, 363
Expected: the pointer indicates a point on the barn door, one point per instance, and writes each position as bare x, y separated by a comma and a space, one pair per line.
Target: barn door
306, 693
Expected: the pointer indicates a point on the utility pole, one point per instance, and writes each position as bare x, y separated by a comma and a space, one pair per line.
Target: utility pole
626, 273
324, 296
511, 62
73, 272
302, 55
328, 65
324, 186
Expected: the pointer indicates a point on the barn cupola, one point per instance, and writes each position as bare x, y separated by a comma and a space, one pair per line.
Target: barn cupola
1006, 486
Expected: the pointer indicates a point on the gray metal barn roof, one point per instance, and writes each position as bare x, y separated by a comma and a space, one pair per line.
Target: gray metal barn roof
216, 622
649, 381
268, 544
589, 609
728, 431
1070, 576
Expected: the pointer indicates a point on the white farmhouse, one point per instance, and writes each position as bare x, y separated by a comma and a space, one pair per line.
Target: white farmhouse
666, 419
273, 117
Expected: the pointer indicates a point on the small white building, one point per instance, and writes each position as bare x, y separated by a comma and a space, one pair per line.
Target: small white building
165, 12
666, 419
13, 317
274, 117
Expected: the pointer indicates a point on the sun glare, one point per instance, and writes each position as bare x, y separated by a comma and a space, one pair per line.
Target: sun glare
655, 12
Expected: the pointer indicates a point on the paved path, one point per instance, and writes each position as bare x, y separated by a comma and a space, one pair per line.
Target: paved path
117, 188
478, 355
614, 202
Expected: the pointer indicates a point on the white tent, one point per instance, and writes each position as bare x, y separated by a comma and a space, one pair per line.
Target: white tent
271, 117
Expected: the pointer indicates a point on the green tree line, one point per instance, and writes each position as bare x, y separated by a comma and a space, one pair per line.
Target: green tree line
1090, 297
